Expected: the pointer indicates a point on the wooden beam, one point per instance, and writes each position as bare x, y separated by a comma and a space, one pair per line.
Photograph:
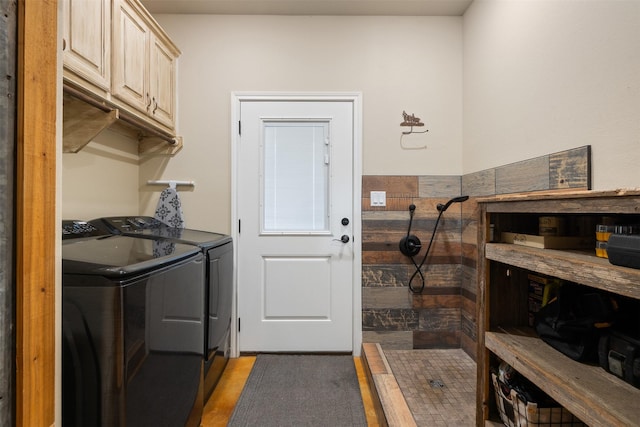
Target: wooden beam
8, 46
391, 407
155, 146
35, 212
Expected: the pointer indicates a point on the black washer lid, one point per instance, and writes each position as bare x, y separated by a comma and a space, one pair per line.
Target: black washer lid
150, 227
186, 235
118, 256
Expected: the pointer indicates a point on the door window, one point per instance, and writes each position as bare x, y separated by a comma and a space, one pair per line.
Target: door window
295, 178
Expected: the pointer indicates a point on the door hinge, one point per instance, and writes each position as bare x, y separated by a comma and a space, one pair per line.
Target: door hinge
238, 324
239, 226
239, 127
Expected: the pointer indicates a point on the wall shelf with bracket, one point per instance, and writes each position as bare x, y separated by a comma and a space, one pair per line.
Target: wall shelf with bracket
85, 116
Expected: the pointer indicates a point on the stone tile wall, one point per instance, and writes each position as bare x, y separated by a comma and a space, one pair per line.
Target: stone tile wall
391, 313
443, 315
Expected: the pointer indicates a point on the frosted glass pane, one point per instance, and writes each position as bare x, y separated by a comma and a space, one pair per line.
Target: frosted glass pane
296, 177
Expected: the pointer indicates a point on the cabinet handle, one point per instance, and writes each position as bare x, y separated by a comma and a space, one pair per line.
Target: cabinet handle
148, 101
155, 105
64, 44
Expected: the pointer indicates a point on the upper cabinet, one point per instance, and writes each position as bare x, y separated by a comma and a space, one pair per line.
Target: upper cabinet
144, 63
87, 44
162, 79
118, 59
130, 56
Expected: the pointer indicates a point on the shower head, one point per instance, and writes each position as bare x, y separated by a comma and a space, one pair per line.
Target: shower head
459, 199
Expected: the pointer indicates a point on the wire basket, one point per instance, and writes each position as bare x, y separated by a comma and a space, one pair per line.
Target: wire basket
515, 412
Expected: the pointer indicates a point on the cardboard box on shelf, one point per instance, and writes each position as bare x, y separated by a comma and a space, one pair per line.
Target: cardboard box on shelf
548, 242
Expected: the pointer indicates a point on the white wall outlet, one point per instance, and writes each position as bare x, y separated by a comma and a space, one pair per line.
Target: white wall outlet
378, 198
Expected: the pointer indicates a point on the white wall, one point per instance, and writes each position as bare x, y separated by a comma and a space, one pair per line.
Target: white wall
101, 179
398, 63
545, 76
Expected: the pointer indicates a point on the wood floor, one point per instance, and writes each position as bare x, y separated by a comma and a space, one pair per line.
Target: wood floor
219, 407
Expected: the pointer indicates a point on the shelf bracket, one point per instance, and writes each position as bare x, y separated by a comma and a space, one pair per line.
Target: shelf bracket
83, 122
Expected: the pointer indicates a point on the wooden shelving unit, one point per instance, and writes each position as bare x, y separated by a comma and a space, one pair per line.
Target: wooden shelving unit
589, 392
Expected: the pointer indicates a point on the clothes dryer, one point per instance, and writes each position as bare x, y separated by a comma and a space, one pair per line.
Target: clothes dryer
218, 251
133, 323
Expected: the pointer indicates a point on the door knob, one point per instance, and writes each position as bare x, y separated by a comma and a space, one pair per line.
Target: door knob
343, 239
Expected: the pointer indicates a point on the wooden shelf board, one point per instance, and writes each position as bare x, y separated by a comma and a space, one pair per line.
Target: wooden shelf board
555, 195
579, 387
573, 266
577, 203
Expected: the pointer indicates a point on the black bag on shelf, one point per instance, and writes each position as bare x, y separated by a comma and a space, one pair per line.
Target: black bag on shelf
619, 354
574, 321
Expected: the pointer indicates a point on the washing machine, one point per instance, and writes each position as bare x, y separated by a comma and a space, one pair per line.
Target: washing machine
132, 326
218, 251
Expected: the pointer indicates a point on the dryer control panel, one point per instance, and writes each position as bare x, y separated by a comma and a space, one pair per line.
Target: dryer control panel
128, 224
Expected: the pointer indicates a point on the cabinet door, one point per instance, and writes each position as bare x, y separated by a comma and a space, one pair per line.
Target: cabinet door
87, 42
162, 81
130, 57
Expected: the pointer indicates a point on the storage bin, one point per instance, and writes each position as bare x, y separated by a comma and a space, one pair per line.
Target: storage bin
515, 412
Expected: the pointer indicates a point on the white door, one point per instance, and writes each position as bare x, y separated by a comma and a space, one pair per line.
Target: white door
295, 206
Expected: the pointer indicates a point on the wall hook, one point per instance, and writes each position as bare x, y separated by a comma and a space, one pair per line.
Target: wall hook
171, 183
411, 120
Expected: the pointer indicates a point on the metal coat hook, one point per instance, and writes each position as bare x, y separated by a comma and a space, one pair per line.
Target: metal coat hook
411, 120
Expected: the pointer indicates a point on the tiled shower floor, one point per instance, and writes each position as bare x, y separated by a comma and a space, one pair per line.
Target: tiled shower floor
439, 386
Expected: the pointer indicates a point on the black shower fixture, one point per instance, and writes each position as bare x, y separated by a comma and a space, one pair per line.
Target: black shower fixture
410, 245
459, 199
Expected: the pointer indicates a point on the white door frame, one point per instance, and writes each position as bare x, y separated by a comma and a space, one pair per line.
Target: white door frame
355, 98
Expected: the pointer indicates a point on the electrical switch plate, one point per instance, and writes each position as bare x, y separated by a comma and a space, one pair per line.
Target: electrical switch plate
378, 198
